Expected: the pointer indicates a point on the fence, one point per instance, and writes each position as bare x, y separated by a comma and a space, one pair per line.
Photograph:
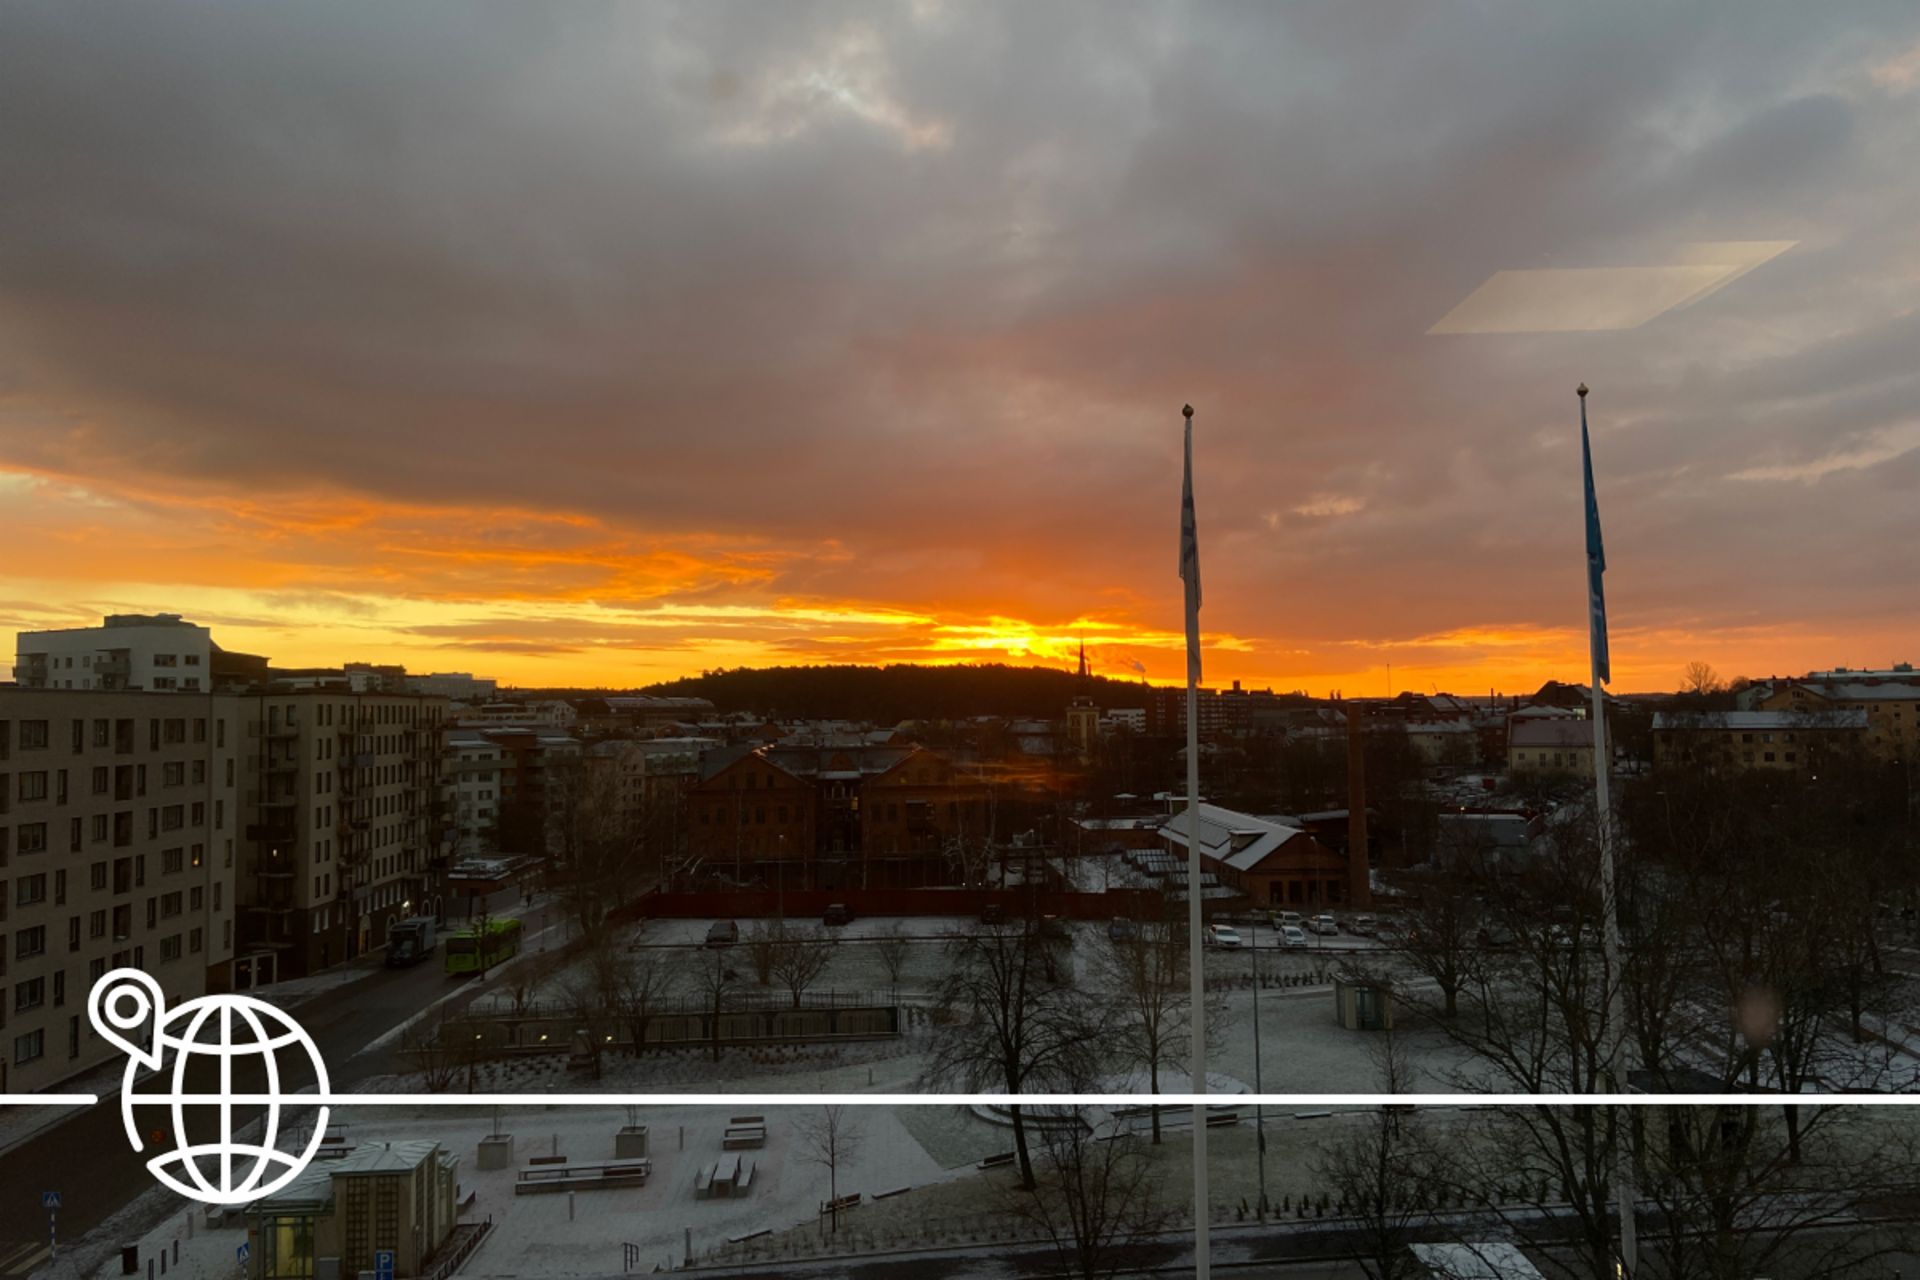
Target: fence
768, 904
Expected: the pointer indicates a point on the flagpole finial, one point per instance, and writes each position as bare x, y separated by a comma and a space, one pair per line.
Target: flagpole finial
1581, 391
1186, 411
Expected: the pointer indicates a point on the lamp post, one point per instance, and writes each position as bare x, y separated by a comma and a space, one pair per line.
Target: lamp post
1259, 1112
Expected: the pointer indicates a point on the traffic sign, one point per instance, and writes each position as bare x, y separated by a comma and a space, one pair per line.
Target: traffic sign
242, 1250
383, 1263
49, 1199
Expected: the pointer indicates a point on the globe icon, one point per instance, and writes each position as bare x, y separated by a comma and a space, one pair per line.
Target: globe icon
224, 1034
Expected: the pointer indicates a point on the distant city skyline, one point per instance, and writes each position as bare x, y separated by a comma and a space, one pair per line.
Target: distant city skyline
603, 346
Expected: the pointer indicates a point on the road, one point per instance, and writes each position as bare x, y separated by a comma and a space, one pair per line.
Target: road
88, 1160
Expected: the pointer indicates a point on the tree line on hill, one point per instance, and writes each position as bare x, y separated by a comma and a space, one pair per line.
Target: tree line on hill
901, 691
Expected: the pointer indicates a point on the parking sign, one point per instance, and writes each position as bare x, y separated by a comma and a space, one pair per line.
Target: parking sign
383, 1263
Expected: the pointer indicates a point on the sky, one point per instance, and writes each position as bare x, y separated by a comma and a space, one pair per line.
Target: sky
602, 344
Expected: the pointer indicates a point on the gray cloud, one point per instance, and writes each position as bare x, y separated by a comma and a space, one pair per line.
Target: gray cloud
933, 286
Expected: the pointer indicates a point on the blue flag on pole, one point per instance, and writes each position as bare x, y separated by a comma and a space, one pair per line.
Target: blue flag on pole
1190, 560
1596, 558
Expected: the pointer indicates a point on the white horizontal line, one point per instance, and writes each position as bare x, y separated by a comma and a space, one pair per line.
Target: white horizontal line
1106, 1100
48, 1099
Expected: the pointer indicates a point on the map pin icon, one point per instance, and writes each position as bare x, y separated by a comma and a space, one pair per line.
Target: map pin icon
120, 1004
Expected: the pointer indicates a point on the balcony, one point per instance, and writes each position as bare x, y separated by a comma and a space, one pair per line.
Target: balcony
277, 832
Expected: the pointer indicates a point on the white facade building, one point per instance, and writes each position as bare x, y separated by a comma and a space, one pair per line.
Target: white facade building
130, 652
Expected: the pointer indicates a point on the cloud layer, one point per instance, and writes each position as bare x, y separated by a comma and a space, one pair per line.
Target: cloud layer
610, 342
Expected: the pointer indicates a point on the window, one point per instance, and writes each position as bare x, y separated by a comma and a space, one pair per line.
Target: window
33, 786
30, 890
97, 877
29, 1047
172, 904
196, 941
102, 780
172, 860
170, 948
30, 942
33, 735
97, 923
174, 773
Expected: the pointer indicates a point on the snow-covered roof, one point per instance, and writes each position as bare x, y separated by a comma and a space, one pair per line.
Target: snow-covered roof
1551, 733
1751, 721
1238, 840
1483, 1261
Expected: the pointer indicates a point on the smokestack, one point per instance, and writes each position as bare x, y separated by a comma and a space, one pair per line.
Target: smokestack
1359, 884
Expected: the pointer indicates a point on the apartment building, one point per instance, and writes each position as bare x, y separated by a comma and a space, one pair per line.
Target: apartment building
1890, 708
1800, 739
346, 820
119, 820
475, 787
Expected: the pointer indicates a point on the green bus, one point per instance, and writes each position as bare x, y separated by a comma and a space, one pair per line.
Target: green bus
480, 948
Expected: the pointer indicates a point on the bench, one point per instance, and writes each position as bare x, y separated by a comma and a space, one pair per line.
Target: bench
724, 1178
841, 1204
1000, 1161
583, 1177
1221, 1121
759, 1120
740, 1136
887, 1195
467, 1203
745, 1236
546, 1160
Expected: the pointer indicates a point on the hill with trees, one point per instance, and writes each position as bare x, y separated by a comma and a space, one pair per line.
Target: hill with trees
902, 691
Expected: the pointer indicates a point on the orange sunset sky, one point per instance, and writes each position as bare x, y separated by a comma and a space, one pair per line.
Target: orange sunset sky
602, 345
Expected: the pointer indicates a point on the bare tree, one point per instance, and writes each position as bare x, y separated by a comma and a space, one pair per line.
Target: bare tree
1700, 679
892, 949
439, 1047
1152, 1015
646, 980
800, 956
829, 1137
1008, 1015
1378, 1172
1096, 1198
715, 984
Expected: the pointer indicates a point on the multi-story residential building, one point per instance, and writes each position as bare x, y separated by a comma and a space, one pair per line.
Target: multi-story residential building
834, 817
532, 760
1891, 707
1550, 746
345, 823
132, 652
455, 686
1781, 739
475, 787
119, 821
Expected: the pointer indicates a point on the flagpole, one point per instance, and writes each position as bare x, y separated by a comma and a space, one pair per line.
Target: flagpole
1625, 1192
1196, 974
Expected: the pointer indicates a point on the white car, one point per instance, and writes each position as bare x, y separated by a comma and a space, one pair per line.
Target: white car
1292, 937
1325, 926
1221, 935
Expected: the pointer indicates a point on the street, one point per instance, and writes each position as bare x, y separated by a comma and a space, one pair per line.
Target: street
86, 1157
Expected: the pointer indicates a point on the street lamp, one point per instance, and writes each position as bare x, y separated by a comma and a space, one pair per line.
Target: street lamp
1259, 1112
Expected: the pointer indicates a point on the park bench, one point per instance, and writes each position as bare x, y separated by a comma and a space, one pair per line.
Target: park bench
745, 1236
759, 1120
546, 1159
583, 1177
1221, 1121
1000, 1161
887, 1195
745, 1135
840, 1204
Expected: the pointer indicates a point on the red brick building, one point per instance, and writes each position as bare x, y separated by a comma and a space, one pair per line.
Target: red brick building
824, 817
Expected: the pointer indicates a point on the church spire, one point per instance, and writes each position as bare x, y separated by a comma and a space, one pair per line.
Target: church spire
1083, 659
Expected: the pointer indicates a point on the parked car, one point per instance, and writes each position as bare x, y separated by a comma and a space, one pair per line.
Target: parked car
722, 933
1122, 930
1285, 919
1293, 937
1363, 926
1387, 935
1325, 926
837, 913
1056, 929
1222, 935
993, 913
